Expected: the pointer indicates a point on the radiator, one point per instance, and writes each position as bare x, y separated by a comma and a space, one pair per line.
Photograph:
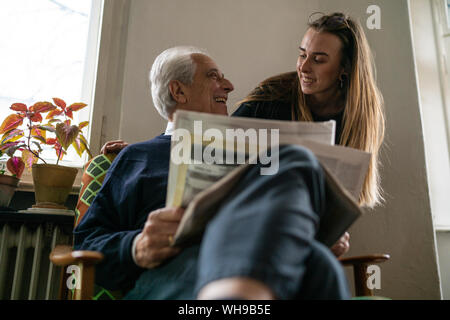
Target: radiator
26, 272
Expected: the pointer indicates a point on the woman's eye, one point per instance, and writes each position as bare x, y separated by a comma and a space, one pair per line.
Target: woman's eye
302, 55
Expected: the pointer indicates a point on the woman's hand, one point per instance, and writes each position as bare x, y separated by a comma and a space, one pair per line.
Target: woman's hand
113, 146
342, 245
153, 244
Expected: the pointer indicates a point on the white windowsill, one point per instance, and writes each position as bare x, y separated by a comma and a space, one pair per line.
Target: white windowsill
442, 228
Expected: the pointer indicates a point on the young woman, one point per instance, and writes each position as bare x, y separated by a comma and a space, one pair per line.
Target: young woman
334, 80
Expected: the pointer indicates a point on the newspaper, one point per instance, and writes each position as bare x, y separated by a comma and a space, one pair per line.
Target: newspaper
186, 180
200, 186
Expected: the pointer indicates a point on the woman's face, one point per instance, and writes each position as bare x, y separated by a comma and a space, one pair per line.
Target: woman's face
319, 64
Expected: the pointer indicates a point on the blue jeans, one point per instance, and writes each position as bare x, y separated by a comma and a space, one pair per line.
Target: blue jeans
265, 229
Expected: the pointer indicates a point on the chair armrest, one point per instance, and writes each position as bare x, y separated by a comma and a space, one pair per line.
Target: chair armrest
63, 255
360, 265
360, 260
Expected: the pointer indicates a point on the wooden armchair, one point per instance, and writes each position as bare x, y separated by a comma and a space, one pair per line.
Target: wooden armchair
65, 256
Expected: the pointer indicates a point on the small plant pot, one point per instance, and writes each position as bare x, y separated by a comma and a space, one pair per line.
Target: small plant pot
8, 185
52, 185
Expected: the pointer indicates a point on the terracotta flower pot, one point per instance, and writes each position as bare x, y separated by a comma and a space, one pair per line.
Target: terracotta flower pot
52, 185
8, 185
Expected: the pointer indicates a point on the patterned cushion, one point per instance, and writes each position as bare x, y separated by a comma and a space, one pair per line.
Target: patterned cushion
91, 182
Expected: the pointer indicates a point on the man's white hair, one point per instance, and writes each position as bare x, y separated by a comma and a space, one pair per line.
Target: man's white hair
172, 64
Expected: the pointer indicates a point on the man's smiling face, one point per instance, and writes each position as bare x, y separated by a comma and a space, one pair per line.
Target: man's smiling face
209, 89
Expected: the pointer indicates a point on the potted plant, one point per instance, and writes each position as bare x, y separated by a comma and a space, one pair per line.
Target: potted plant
8, 183
15, 140
52, 182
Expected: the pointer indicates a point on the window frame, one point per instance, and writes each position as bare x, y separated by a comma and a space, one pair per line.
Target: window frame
441, 31
106, 55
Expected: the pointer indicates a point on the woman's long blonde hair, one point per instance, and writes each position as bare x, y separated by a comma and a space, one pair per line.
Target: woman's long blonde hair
363, 118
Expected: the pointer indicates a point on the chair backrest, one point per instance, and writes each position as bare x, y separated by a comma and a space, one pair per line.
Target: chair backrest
91, 182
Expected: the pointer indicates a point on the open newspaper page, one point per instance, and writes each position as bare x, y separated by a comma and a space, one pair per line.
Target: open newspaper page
342, 209
206, 147
199, 186
342, 192
349, 166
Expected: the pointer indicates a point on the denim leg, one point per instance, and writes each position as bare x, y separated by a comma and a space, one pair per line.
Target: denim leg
324, 278
173, 280
265, 228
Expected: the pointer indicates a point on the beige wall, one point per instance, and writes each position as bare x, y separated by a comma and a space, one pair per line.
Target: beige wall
404, 227
253, 39
247, 38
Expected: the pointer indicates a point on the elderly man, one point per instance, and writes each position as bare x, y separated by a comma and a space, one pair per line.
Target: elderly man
260, 244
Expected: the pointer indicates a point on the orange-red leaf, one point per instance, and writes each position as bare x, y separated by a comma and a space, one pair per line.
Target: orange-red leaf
15, 165
83, 124
19, 107
36, 117
42, 107
69, 113
60, 103
51, 141
76, 106
11, 122
53, 113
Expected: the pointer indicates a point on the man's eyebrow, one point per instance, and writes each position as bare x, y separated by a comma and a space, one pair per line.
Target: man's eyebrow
317, 53
215, 70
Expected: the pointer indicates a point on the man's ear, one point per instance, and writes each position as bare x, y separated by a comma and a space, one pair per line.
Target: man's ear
177, 91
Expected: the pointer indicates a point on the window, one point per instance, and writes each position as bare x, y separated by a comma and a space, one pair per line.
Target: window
441, 12
49, 49
442, 26
447, 12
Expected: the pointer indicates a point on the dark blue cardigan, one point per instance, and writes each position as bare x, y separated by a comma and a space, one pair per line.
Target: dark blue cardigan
135, 185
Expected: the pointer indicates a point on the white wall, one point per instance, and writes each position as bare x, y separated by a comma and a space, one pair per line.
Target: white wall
253, 39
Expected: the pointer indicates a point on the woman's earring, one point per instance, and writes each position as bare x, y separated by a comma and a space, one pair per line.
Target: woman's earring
341, 81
